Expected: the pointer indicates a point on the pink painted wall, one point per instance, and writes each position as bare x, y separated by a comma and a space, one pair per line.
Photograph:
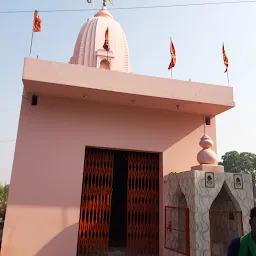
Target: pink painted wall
44, 200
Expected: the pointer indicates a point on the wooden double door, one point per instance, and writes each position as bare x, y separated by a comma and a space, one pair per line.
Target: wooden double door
142, 206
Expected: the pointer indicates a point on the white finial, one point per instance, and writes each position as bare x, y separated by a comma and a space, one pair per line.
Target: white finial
206, 155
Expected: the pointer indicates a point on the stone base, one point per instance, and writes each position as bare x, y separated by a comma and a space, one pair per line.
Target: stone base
190, 190
208, 168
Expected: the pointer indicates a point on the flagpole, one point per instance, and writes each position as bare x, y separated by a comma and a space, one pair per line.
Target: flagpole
204, 124
228, 78
92, 8
170, 73
31, 43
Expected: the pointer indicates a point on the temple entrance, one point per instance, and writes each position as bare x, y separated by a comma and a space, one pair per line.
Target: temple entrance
118, 218
119, 212
225, 221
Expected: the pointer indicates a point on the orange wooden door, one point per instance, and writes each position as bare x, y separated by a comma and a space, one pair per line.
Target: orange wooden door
143, 204
93, 235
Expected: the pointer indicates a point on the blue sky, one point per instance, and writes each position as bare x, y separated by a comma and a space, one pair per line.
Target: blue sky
197, 32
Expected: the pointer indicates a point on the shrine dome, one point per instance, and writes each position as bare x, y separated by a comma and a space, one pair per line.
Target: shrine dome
89, 44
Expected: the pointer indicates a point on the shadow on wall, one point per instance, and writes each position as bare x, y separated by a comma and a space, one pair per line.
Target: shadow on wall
59, 245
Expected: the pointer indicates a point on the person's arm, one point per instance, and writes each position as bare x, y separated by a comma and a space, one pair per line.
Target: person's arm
234, 246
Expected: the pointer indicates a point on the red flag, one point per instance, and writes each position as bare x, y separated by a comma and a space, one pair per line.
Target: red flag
37, 22
225, 58
106, 43
173, 54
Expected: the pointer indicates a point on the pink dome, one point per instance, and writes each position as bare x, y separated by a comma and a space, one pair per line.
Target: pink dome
89, 45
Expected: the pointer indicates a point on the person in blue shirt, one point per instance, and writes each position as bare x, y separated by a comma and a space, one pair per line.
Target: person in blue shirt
246, 245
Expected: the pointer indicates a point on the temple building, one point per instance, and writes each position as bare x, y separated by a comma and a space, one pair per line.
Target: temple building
107, 163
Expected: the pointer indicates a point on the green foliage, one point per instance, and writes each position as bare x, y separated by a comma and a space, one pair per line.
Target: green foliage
236, 162
4, 190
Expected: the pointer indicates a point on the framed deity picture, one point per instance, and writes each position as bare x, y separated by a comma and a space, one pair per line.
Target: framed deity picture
209, 180
238, 181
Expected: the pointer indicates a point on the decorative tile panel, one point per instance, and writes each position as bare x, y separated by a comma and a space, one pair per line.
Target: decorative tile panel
199, 200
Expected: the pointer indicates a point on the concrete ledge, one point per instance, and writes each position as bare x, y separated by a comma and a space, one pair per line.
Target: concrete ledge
114, 87
208, 168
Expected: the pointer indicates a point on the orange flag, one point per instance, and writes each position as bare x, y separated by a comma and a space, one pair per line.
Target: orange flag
173, 53
225, 58
37, 22
106, 43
